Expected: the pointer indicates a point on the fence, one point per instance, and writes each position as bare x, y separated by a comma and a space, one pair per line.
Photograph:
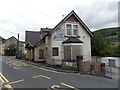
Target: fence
67, 62
95, 67
106, 65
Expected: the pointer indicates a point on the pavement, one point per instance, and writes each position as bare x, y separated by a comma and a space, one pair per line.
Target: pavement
45, 65
26, 74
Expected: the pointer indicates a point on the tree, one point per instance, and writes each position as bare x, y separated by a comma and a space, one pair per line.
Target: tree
10, 50
98, 45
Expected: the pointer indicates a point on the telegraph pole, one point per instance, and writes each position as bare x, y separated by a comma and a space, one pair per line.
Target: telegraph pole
17, 53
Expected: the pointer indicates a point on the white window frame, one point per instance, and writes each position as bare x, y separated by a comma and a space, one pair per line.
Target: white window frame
69, 28
72, 30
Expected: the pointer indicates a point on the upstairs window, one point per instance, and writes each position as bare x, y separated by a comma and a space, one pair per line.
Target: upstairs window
72, 29
59, 34
69, 29
75, 29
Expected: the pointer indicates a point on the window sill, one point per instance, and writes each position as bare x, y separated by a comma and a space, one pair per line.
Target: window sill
72, 36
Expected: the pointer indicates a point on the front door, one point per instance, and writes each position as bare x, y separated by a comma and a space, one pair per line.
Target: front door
41, 54
67, 52
29, 54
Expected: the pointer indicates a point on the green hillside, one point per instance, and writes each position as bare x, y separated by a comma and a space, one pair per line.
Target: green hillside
110, 34
101, 42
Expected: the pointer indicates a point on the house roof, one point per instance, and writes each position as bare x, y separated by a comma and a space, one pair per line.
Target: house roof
32, 37
5, 40
72, 40
72, 13
77, 17
2, 39
9, 39
46, 29
45, 32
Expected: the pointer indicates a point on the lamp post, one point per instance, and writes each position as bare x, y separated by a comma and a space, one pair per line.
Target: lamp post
17, 52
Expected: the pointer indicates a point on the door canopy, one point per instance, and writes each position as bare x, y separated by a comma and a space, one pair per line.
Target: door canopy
72, 41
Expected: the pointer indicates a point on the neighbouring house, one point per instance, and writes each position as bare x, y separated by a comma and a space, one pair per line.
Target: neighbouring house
1, 45
67, 40
11, 40
31, 39
1, 39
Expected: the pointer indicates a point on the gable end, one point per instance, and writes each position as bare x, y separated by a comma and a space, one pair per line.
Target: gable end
72, 18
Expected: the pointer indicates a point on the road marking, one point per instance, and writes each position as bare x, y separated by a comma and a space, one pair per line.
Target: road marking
46, 69
15, 82
14, 67
2, 81
53, 71
10, 65
9, 87
4, 78
41, 76
69, 86
55, 86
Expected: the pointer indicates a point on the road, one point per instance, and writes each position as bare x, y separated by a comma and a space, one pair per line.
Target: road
18, 74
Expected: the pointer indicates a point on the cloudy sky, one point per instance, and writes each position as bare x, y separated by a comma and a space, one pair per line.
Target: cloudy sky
16, 16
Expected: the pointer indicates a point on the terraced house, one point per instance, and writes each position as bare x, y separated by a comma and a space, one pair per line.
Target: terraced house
67, 40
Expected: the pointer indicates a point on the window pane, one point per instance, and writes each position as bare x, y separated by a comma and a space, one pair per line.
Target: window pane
55, 51
75, 29
60, 34
68, 25
75, 26
69, 29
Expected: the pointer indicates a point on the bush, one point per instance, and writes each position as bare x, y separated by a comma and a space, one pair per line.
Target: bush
10, 50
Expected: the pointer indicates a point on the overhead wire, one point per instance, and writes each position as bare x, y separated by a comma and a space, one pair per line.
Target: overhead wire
26, 4
7, 31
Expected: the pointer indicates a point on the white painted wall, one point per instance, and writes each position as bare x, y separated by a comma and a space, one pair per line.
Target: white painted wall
36, 52
51, 42
84, 36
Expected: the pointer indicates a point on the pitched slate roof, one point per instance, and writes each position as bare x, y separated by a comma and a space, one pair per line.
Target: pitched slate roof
32, 37
45, 31
72, 40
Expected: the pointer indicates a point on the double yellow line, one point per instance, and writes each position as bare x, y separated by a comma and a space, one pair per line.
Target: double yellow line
4, 80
